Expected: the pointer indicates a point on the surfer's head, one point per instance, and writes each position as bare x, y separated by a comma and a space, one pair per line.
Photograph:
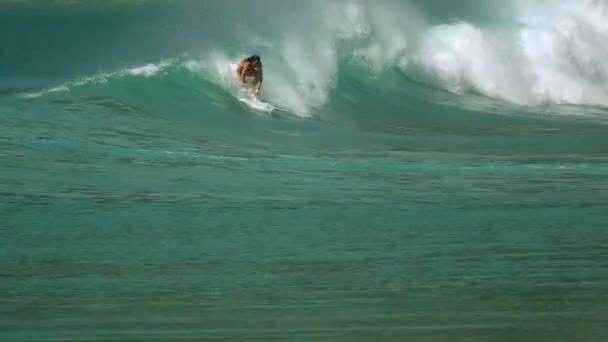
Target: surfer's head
254, 58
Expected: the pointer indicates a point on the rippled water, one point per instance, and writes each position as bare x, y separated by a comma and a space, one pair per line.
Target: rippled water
144, 202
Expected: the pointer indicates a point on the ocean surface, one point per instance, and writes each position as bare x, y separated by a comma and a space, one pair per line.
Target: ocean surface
421, 171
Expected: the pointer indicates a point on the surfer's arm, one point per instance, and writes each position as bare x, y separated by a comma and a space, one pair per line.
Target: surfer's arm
260, 79
241, 70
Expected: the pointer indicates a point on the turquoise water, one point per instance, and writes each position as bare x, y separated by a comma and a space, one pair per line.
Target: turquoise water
431, 172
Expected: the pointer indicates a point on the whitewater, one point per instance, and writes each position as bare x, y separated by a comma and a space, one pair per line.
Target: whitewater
413, 170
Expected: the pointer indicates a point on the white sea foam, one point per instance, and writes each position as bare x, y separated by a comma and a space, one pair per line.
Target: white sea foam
147, 70
557, 54
548, 51
45, 92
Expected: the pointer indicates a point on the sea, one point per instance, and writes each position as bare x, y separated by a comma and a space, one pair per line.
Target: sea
421, 170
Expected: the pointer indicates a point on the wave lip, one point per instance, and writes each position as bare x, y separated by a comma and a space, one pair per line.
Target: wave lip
147, 70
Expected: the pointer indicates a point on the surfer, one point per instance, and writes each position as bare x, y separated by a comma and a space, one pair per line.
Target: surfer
251, 68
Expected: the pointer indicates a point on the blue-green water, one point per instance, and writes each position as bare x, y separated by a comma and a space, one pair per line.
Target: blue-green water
434, 172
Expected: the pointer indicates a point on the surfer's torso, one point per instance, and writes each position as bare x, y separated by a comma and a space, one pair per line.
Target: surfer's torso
250, 71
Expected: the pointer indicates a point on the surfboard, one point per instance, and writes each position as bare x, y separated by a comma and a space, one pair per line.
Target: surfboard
256, 104
247, 96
